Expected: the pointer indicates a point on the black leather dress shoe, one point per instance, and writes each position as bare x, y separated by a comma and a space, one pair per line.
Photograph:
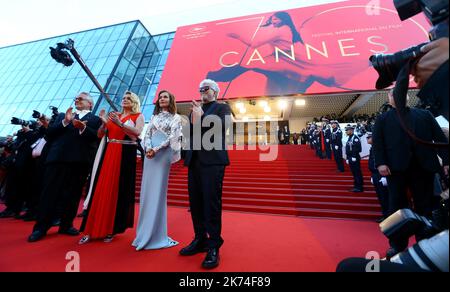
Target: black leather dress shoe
212, 259
71, 231
355, 190
196, 246
19, 216
36, 236
7, 214
391, 252
56, 222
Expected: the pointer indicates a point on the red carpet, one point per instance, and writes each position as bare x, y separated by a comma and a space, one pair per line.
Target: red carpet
297, 183
253, 243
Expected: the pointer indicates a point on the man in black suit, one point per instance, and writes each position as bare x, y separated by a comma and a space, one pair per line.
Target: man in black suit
327, 137
73, 144
406, 163
207, 161
286, 136
336, 144
311, 136
21, 171
353, 149
379, 182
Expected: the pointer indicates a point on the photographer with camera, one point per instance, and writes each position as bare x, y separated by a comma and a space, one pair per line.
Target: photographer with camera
17, 191
406, 164
37, 176
431, 75
405, 140
406, 144
5, 162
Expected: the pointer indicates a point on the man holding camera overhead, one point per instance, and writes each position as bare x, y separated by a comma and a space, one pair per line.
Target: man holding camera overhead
73, 144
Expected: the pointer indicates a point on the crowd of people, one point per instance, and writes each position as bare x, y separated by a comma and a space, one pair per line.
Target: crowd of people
46, 170
47, 165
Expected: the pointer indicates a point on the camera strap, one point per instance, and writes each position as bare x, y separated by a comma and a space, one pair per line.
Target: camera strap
400, 94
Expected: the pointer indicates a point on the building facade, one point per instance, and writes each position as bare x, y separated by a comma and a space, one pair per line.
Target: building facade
121, 57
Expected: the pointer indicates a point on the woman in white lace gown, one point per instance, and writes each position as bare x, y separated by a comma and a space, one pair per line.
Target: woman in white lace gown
163, 147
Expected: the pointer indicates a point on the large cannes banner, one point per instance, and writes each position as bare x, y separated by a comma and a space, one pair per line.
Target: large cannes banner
314, 50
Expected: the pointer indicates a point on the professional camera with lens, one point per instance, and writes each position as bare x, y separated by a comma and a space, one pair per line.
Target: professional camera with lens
60, 55
54, 110
20, 122
389, 66
431, 252
37, 115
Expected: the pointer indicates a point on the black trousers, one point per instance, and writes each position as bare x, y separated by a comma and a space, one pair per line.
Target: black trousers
205, 197
382, 193
18, 188
328, 150
338, 158
63, 184
355, 167
421, 185
319, 152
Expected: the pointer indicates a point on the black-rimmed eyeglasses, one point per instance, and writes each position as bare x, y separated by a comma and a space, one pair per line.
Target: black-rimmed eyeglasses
204, 89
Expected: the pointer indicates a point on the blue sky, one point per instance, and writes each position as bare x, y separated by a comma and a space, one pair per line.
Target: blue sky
28, 20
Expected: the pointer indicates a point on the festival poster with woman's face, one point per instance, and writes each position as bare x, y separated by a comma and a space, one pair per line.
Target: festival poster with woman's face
314, 50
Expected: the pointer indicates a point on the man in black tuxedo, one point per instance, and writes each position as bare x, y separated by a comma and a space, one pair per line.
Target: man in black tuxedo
353, 149
327, 136
406, 163
207, 161
73, 144
336, 144
286, 136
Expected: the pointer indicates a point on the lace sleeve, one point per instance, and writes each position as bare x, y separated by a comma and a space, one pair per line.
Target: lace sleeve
175, 134
176, 140
148, 136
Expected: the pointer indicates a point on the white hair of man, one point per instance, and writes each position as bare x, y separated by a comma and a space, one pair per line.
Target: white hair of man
213, 84
88, 98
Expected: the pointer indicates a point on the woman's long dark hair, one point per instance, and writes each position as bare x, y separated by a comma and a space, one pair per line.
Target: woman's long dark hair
172, 104
286, 19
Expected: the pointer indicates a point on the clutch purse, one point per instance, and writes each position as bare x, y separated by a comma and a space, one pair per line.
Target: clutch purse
158, 138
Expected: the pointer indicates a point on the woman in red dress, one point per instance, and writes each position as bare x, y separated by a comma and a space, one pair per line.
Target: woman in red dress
111, 208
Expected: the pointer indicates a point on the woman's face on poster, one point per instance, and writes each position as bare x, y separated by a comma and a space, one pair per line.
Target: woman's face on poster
276, 22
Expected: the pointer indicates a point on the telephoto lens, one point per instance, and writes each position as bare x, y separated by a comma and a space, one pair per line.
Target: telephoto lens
389, 66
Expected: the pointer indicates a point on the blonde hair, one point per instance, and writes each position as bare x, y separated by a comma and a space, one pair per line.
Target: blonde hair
136, 108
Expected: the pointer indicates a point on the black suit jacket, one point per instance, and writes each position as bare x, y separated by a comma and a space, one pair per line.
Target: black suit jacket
336, 137
393, 147
214, 156
67, 145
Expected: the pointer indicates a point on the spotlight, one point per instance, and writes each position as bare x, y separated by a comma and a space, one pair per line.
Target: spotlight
263, 103
239, 105
300, 102
283, 104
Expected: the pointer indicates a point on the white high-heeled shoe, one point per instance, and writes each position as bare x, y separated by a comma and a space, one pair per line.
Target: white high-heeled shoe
84, 240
